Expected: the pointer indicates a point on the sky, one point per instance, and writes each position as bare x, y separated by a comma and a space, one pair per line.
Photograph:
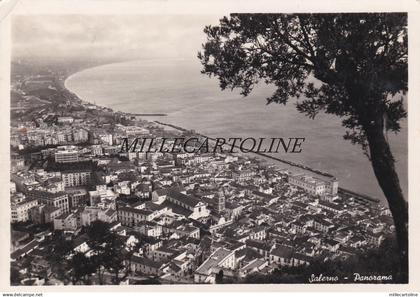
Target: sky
109, 36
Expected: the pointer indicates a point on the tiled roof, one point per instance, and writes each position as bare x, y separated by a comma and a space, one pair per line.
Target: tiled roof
187, 199
146, 262
135, 210
213, 261
282, 252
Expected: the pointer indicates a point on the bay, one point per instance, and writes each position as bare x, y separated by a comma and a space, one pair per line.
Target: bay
194, 101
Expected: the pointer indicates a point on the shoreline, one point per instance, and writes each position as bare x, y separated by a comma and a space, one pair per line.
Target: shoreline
290, 163
70, 75
260, 156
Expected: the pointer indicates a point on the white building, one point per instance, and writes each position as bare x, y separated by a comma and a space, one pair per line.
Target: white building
12, 187
123, 188
102, 197
314, 185
91, 214
76, 178
20, 208
221, 259
65, 120
66, 154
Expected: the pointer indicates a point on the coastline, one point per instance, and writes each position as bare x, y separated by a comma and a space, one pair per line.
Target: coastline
260, 156
70, 75
290, 163
318, 173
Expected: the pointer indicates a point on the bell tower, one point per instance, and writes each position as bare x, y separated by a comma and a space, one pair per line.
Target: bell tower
221, 201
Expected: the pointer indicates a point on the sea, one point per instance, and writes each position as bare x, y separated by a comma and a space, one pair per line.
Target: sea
195, 101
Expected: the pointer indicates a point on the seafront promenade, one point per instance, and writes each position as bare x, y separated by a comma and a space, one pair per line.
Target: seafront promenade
180, 211
294, 168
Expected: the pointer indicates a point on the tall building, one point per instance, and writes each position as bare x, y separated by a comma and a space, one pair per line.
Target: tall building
66, 155
59, 200
221, 201
76, 178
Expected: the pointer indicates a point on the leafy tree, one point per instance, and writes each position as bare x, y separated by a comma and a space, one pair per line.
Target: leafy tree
82, 268
110, 252
97, 232
219, 277
59, 250
118, 257
349, 65
98, 261
27, 263
15, 276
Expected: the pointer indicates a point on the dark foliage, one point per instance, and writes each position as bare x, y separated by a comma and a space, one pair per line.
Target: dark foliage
110, 251
350, 65
82, 165
219, 277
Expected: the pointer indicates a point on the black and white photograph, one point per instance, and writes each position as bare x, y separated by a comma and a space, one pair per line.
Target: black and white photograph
212, 148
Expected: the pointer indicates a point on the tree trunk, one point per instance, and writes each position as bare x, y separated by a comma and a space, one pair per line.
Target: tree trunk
383, 166
116, 280
100, 274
